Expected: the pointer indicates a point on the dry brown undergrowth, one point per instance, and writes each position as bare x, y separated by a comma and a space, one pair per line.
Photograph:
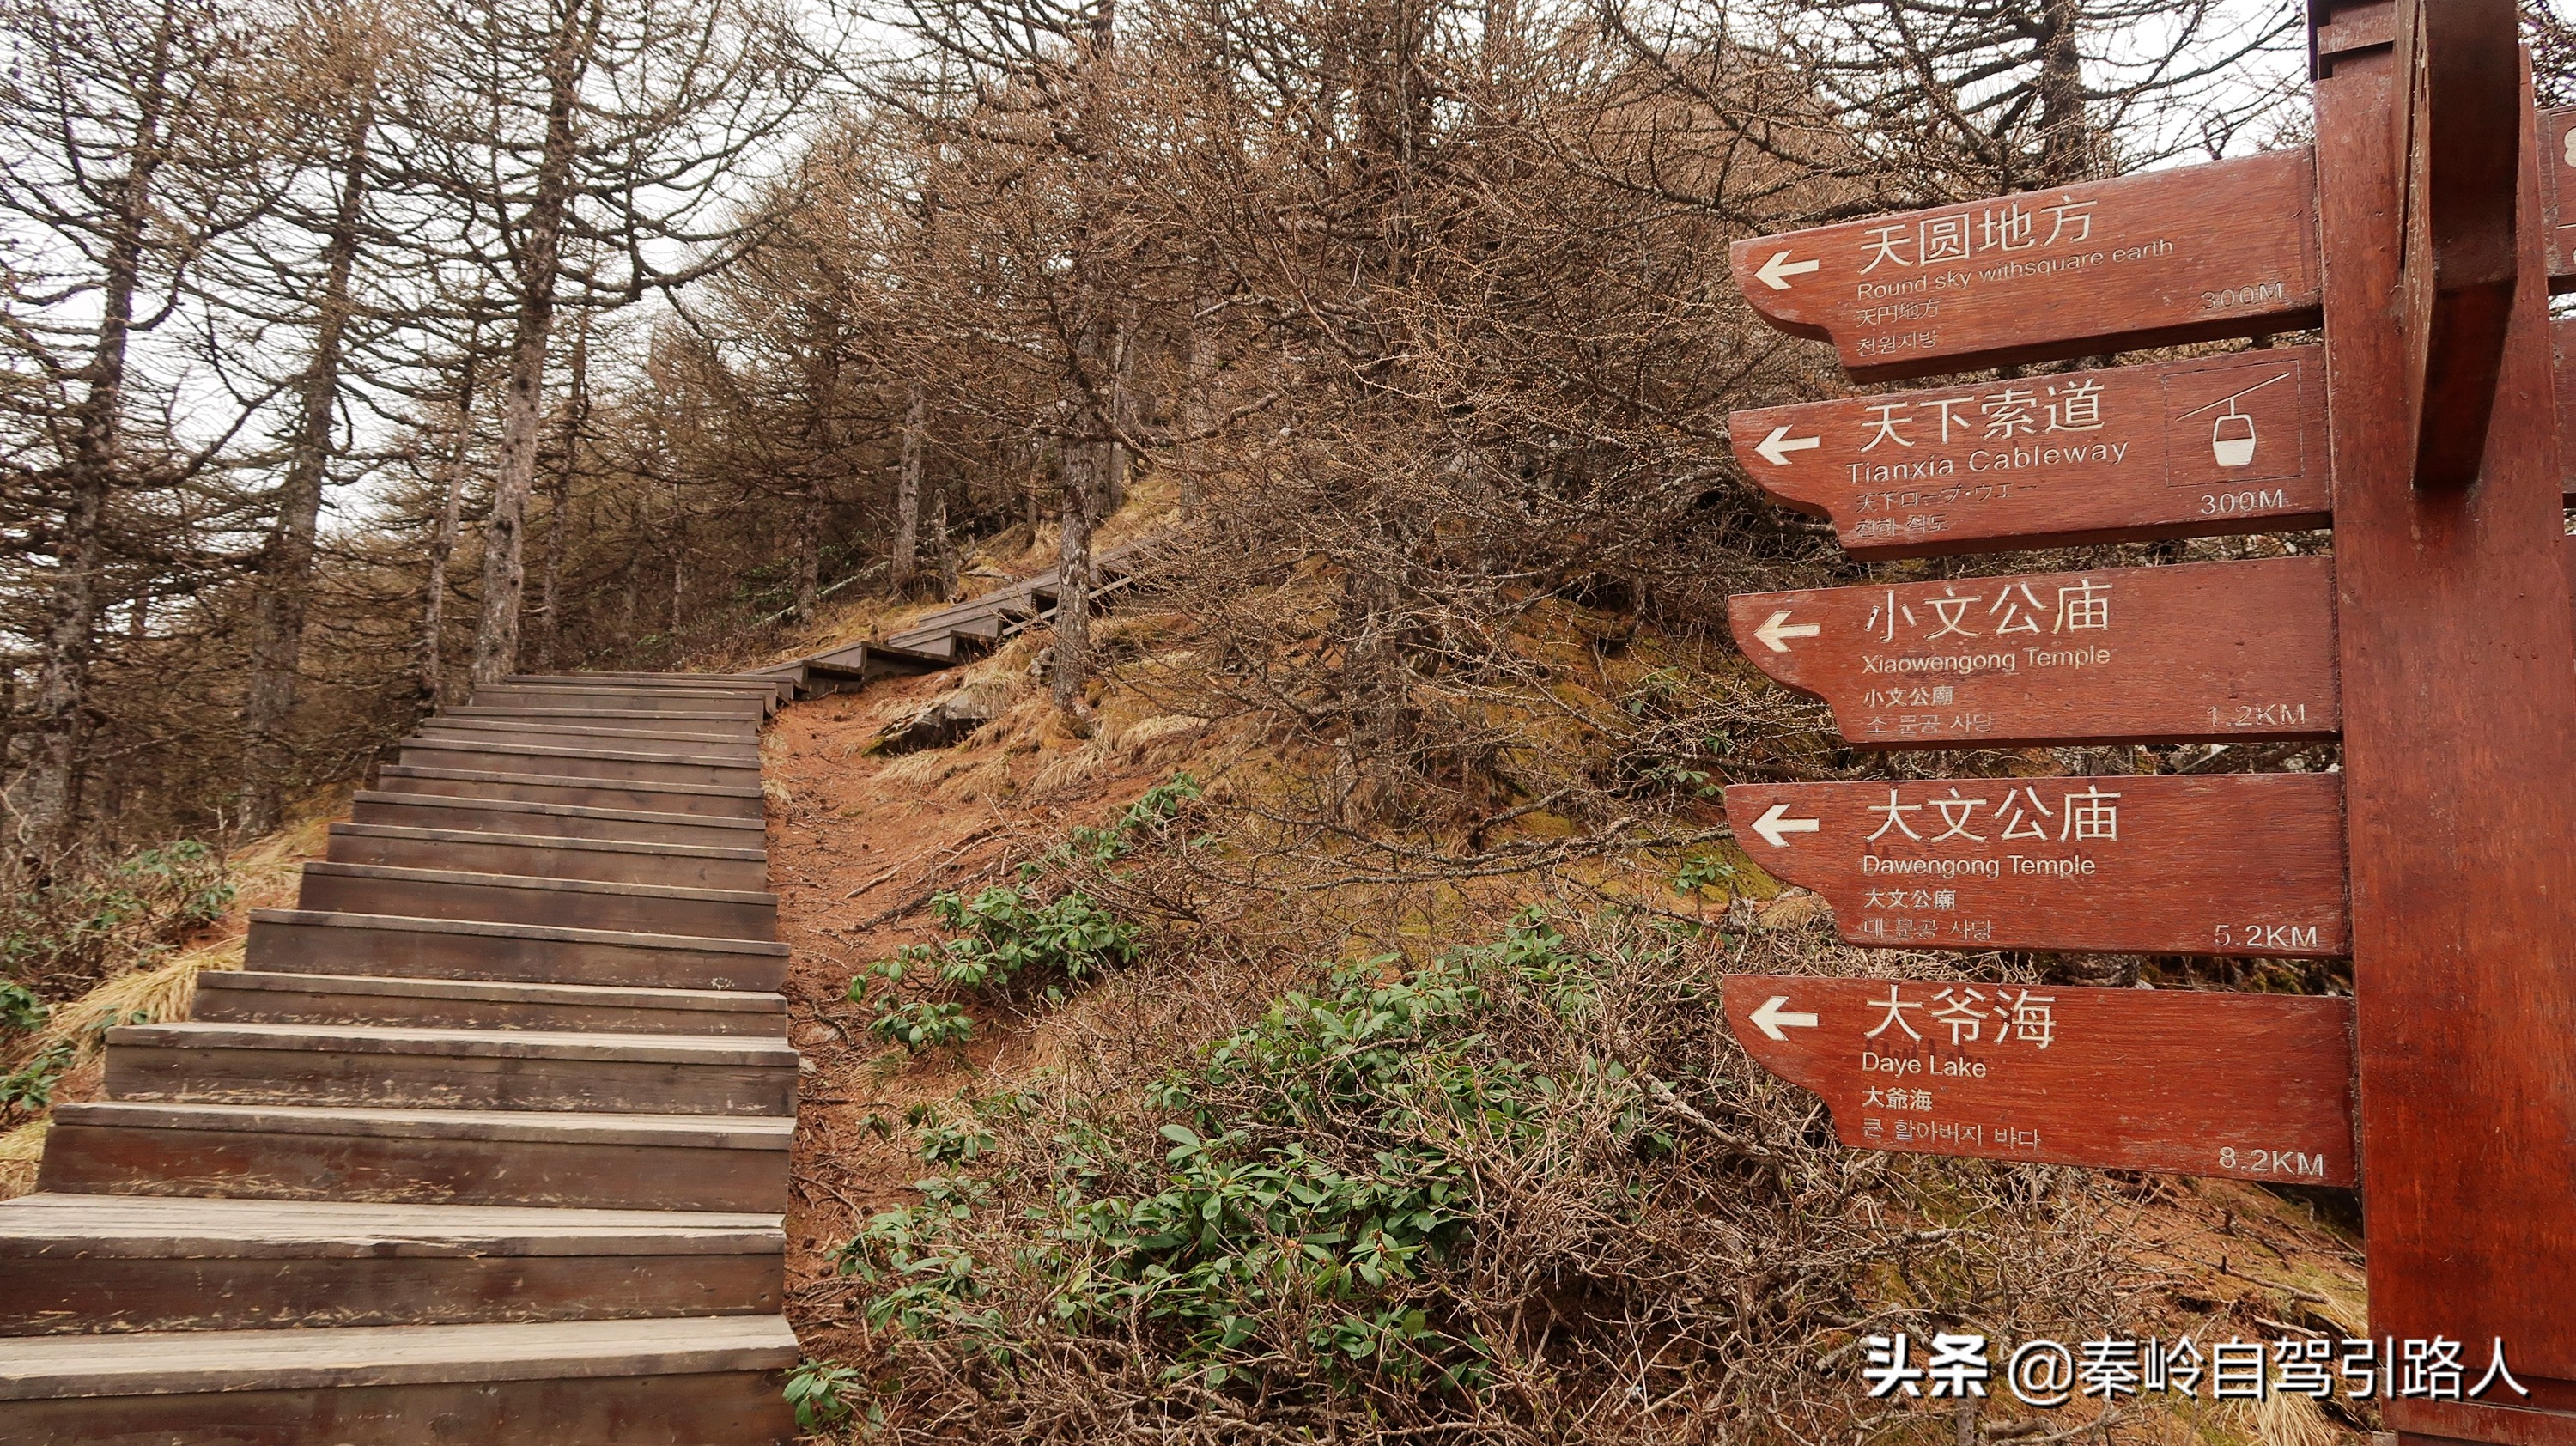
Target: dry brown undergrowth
1710, 1292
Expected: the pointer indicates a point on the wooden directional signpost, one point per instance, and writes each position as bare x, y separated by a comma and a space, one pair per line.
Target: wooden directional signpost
2424, 232
2165, 864
2177, 449
2068, 1075
2139, 654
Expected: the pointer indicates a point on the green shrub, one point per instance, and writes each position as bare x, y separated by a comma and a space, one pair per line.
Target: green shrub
820, 1391
1312, 1179
1012, 933
920, 1025
20, 1009
101, 918
31, 1086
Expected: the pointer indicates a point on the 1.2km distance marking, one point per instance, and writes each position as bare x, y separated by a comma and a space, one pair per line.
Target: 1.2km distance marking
2200, 651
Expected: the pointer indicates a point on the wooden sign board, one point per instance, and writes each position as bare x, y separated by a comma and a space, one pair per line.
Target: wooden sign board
2210, 650
2099, 267
2238, 864
2193, 448
2251, 1086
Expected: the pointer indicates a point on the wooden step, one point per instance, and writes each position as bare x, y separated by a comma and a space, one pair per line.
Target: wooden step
375, 1066
700, 800
562, 903
554, 820
677, 682
559, 760
420, 1157
741, 723
737, 683
689, 1381
305, 941
591, 735
647, 701
629, 695
694, 866
93, 1263
244, 996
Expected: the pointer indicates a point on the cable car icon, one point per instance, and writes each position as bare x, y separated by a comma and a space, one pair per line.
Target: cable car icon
2232, 445
2232, 434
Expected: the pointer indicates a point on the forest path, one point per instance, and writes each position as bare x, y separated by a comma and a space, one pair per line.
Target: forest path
488, 1140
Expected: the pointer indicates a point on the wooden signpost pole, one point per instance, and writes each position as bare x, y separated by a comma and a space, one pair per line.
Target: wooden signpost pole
2426, 232
2454, 633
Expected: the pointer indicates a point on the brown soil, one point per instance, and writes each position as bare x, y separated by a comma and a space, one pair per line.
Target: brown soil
854, 858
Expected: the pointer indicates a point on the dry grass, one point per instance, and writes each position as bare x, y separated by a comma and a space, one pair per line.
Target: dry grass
21, 1150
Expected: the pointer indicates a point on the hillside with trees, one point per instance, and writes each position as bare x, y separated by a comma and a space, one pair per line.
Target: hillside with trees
1294, 990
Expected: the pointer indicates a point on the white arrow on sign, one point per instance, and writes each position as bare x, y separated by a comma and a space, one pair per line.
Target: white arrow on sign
1775, 449
1778, 626
1770, 1017
1773, 824
1779, 266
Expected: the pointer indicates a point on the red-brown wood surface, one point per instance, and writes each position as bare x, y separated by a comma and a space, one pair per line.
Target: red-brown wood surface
2253, 1086
2562, 345
2210, 650
2454, 633
2557, 159
2224, 249
2460, 125
2161, 864
2176, 449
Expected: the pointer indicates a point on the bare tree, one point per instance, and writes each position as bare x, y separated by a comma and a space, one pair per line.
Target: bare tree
335, 61
583, 152
124, 127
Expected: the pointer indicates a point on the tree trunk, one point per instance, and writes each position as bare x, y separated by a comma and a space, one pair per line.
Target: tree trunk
1072, 665
2066, 136
805, 554
943, 549
286, 564
451, 521
48, 801
1198, 407
559, 497
907, 494
505, 575
822, 394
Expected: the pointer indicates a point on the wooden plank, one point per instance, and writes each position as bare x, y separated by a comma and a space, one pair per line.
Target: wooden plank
705, 1408
2072, 271
82, 1293
2246, 864
319, 942
2201, 447
2249, 1086
701, 866
625, 795
2461, 118
513, 899
2454, 634
255, 996
194, 1361
2214, 650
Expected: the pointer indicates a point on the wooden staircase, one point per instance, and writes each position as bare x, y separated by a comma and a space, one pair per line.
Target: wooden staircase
486, 1143
947, 636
